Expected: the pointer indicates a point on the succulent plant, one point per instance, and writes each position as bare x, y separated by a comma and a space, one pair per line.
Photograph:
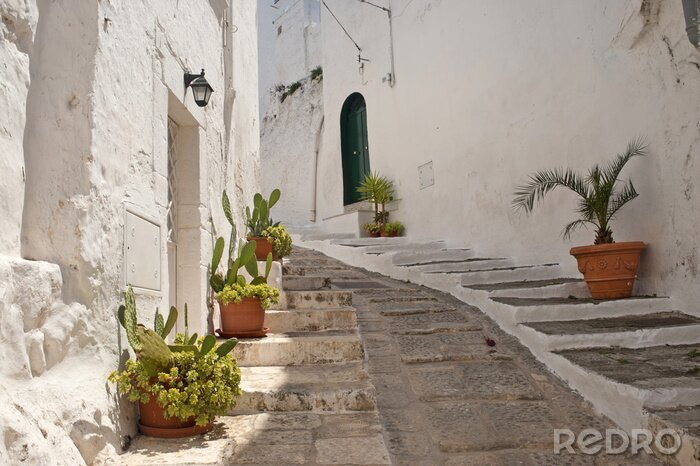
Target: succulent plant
149, 345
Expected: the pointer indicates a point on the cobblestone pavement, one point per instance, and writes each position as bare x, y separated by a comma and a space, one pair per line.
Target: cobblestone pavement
446, 397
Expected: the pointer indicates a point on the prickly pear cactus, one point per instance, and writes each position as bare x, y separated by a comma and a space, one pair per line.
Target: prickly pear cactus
155, 354
127, 317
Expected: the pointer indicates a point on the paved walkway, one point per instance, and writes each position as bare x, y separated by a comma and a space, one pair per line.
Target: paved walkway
446, 397
443, 394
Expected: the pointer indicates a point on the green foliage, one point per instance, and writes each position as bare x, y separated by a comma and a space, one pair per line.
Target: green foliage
287, 91
378, 190
372, 228
393, 229
258, 220
127, 317
599, 199
280, 239
235, 293
317, 73
199, 382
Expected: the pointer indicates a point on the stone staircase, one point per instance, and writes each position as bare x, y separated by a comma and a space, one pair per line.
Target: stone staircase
635, 359
307, 398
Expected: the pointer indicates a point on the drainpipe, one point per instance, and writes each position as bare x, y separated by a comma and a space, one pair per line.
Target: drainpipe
691, 8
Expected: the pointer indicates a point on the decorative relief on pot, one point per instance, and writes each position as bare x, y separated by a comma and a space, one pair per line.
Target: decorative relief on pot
585, 266
602, 264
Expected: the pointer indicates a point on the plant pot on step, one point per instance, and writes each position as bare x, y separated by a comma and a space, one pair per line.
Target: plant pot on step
154, 423
262, 247
609, 269
244, 319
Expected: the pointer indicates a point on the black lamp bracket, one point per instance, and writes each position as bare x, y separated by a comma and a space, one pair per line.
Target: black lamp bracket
189, 77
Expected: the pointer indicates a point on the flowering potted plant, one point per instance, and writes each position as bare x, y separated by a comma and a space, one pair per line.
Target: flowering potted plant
242, 304
180, 388
280, 239
373, 229
609, 268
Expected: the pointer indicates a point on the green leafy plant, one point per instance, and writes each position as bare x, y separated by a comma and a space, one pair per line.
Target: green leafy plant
372, 228
317, 73
280, 239
393, 229
599, 198
191, 378
231, 285
378, 190
258, 220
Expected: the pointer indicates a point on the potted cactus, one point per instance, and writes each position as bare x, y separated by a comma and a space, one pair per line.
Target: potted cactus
609, 268
258, 221
242, 304
180, 388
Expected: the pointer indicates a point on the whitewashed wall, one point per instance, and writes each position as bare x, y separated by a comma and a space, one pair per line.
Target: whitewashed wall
492, 91
100, 81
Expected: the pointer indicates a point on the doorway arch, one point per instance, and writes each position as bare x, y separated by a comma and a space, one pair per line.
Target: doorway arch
354, 146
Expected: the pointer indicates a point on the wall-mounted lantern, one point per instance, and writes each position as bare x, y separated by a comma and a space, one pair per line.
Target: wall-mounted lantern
201, 90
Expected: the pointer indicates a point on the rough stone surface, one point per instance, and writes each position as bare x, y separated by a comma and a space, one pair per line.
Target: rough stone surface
616, 324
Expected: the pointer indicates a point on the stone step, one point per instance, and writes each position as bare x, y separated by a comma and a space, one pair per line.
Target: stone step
659, 377
686, 421
633, 331
283, 321
462, 266
327, 387
288, 349
280, 438
413, 258
553, 309
511, 274
391, 248
312, 262
305, 282
320, 299
363, 242
554, 288
329, 272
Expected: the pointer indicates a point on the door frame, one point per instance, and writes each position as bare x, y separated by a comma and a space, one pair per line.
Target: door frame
354, 103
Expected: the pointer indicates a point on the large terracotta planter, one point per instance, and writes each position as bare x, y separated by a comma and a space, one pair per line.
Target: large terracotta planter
154, 424
262, 247
609, 269
244, 319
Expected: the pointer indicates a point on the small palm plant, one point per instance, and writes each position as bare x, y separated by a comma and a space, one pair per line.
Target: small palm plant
378, 190
599, 199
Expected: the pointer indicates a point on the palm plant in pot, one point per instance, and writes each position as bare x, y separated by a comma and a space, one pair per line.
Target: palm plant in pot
180, 388
609, 268
242, 303
378, 190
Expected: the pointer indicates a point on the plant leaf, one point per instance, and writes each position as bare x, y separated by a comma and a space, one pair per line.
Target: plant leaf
258, 281
193, 339
120, 315
170, 323
182, 348
268, 265
241, 280
226, 347
216, 282
247, 253
216, 255
207, 345
252, 268
226, 203
274, 197
159, 324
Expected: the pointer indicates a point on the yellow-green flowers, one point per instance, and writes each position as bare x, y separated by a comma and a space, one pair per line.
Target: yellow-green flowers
235, 293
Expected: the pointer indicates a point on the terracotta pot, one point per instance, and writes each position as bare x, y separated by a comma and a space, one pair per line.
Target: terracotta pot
154, 424
246, 317
609, 269
373, 235
262, 247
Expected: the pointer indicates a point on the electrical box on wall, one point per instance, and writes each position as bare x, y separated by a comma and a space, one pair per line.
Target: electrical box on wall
425, 175
142, 252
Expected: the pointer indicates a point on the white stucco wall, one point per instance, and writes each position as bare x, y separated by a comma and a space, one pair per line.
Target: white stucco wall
289, 44
492, 91
96, 87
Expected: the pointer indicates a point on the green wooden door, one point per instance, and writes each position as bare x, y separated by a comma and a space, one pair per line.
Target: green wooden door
355, 148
